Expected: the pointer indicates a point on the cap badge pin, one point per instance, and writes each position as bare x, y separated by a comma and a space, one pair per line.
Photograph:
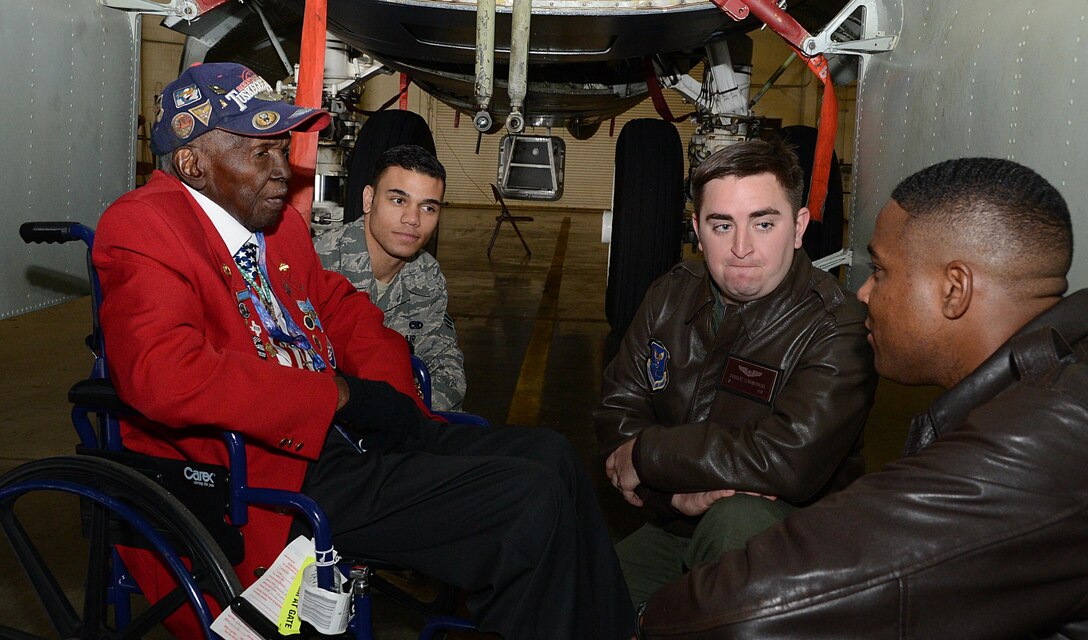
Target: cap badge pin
265, 120
203, 112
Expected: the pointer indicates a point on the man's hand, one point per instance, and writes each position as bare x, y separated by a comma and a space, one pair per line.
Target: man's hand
621, 471
371, 406
342, 392
696, 504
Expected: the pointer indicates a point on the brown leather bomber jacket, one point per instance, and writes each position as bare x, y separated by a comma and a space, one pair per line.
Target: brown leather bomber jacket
774, 403
981, 532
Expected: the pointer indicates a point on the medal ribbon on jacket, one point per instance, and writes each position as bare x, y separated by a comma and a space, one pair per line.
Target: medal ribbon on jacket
256, 276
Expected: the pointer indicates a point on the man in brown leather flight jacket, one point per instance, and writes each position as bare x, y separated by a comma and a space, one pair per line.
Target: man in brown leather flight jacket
741, 389
981, 531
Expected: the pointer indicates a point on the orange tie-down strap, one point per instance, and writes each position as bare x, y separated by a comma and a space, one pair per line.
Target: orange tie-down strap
311, 69
793, 33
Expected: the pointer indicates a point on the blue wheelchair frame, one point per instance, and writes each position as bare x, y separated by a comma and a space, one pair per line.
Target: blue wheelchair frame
96, 396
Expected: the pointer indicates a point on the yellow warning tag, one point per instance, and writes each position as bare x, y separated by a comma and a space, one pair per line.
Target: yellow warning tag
290, 623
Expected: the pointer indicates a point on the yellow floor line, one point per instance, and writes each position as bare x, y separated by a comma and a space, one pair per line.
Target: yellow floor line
525, 405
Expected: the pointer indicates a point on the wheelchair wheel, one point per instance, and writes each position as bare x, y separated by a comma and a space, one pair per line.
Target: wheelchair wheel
76, 580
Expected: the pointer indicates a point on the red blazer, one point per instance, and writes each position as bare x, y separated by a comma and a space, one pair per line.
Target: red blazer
181, 352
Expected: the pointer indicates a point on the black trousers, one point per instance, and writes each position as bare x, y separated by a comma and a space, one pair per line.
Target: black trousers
507, 513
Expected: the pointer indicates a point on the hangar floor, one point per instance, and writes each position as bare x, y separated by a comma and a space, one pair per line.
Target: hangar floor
533, 330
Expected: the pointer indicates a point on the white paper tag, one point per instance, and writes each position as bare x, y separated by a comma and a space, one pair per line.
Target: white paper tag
276, 595
327, 611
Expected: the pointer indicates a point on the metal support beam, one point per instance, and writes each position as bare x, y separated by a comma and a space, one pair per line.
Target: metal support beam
485, 63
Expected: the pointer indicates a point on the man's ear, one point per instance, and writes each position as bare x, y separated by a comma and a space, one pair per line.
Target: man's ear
368, 198
957, 288
800, 223
695, 228
187, 165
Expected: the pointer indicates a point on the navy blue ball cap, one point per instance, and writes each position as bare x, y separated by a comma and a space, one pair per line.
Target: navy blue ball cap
227, 96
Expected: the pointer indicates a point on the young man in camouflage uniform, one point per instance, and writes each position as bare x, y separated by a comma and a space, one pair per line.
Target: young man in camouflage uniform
382, 254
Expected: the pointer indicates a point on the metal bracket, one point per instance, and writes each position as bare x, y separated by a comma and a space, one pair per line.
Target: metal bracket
874, 32
735, 9
184, 9
840, 257
685, 85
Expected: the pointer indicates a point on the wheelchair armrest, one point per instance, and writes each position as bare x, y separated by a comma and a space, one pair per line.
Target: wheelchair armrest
242, 495
98, 394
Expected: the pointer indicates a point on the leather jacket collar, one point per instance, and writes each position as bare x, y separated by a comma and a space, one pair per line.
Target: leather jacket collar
1050, 333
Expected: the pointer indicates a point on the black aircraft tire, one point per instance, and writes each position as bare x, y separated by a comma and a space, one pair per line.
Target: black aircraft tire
821, 238
647, 214
381, 131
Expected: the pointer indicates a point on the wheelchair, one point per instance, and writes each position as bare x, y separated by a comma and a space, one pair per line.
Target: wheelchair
136, 501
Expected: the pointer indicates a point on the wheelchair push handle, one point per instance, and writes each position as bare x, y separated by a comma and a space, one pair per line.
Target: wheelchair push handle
50, 232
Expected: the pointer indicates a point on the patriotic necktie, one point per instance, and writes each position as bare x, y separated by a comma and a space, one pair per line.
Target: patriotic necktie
248, 263
246, 258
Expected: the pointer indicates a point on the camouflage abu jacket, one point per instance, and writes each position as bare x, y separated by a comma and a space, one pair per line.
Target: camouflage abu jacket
414, 306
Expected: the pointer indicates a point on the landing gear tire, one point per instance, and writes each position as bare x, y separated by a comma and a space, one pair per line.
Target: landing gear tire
647, 215
825, 237
109, 493
381, 131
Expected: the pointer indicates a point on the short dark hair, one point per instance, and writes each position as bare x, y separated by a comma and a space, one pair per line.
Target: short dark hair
1012, 211
750, 158
410, 157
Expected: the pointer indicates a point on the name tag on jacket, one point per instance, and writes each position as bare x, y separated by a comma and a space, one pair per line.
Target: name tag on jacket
750, 379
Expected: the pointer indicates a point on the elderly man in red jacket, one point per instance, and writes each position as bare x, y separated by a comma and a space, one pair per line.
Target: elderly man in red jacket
218, 316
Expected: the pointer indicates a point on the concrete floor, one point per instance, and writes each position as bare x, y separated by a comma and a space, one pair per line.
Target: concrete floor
533, 331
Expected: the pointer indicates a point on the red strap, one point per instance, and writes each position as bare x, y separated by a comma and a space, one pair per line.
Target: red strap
656, 96
792, 32
825, 139
204, 6
404, 82
311, 68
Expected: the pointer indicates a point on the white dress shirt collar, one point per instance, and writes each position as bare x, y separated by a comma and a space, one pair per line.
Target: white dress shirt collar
232, 232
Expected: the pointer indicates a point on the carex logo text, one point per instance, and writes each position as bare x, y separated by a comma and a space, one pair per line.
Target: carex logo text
200, 478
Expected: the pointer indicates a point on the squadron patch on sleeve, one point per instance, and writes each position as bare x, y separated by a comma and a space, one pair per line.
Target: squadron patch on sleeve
657, 366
